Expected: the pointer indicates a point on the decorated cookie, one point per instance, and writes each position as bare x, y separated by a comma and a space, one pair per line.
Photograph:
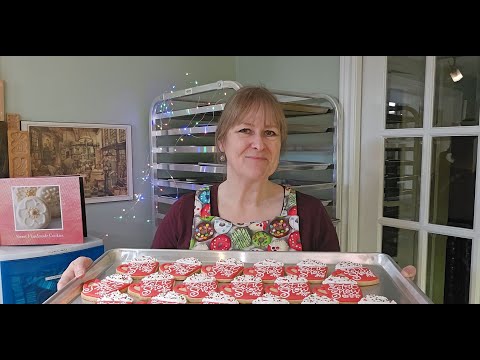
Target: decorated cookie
258, 226
245, 288
221, 242
51, 196
340, 288
221, 226
270, 299
151, 285
219, 298
196, 287
290, 287
241, 238
313, 270
203, 231
278, 245
170, 297
224, 270
181, 268
21, 192
139, 267
294, 241
267, 270
32, 213
317, 299
279, 227
115, 297
376, 299
355, 271
261, 239
95, 289
293, 222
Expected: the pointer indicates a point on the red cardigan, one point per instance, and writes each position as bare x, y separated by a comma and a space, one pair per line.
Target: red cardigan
316, 228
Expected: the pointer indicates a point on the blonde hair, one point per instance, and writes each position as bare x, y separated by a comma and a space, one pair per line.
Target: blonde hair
247, 100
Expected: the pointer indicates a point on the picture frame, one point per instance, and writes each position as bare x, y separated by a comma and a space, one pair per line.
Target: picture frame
100, 153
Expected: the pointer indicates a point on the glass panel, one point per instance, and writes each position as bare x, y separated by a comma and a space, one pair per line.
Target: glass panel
403, 161
448, 269
454, 165
457, 91
401, 245
405, 91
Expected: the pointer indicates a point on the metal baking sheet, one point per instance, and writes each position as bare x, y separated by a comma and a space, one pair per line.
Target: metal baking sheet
392, 284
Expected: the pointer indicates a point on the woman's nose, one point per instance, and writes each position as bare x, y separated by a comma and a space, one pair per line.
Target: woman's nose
258, 142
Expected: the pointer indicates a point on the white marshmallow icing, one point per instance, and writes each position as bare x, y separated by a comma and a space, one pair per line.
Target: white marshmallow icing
170, 297
311, 263
219, 298
290, 279
158, 277
189, 261
338, 280
375, 299
347, 265
247, 279
269, 262
121, 278
199, 278
116, 296
270, 299
229, 261
317, 299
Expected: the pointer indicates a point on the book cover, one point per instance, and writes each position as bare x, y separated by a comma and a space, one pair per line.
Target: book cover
42, 211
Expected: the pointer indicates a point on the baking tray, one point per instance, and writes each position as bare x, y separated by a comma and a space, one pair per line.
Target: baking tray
392, 284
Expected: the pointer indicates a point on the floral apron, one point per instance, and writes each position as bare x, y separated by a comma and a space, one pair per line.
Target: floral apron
214, 233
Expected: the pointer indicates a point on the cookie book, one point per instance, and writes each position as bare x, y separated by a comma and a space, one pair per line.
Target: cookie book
42, 211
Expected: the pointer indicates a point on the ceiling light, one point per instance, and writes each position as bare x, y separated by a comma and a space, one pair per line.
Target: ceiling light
455, 73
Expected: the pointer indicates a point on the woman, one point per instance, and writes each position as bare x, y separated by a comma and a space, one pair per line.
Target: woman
247, 211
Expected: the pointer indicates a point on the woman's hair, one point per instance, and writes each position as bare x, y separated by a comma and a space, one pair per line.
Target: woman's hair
247, 100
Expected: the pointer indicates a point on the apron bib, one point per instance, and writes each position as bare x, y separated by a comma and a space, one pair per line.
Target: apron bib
214, 233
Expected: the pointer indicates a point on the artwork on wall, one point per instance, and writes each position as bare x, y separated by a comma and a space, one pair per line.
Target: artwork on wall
100, 153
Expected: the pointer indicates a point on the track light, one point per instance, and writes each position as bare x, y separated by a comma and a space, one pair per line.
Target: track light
455, 73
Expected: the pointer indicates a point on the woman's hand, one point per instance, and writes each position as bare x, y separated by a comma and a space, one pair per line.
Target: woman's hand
409, 272
76, 269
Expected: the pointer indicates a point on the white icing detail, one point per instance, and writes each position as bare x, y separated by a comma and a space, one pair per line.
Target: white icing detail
311, 263
339, 280
316, 299
247, 279
270, 299
189, 261
143, 258
219, 298
347, 265
51, 196
121, 278
290, 279
158, 277
199, 278
375, 299
170, 297
268, 262
230, 261
357, 273
116, 297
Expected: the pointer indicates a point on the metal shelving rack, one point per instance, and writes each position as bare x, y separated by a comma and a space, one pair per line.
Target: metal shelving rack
182, 130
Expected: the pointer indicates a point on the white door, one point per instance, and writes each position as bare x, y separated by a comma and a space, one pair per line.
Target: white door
418, 185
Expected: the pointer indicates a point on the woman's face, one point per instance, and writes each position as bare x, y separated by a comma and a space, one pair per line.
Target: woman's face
252, 147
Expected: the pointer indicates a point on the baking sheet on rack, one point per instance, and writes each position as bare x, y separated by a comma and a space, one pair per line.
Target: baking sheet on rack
392, 284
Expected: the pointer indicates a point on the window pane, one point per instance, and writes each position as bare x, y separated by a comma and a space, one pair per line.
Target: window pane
403, 161
456, 95
401, 245
448, 269
454, 165
405, 91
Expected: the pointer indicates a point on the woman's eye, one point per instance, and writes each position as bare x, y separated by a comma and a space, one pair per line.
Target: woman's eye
270, 133
245, 131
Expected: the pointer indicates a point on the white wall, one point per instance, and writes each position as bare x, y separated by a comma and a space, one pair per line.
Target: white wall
292, 73
108, 90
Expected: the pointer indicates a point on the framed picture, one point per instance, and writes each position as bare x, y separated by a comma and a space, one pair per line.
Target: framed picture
100, 153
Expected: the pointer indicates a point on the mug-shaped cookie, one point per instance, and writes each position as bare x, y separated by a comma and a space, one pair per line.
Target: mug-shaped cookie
224, 270
151, 285
340, 288
181, 268
245, 288
313, 270
268, 270
139, 267
196, 287
290, 287
355, 271
94, 289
